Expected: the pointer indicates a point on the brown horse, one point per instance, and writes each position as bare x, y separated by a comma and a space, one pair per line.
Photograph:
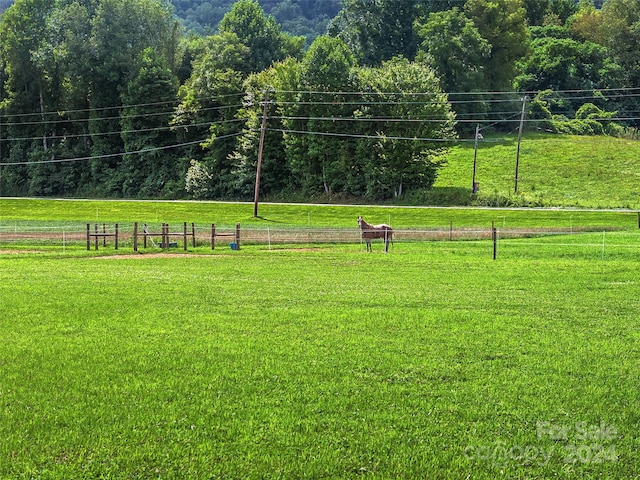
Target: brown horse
369, 232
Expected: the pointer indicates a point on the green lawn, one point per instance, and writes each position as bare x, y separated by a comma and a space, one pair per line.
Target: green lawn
21, 213
433, 361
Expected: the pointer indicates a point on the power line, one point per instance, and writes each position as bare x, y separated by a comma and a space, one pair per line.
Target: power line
510, 118
123, 132
118, 117
628, 92
112, 155
361, 119
299, 103
175, 102
512, 92
625, 93
353, 135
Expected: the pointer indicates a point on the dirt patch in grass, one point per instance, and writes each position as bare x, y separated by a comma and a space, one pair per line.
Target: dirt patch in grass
14, 252
145, 256
293, 249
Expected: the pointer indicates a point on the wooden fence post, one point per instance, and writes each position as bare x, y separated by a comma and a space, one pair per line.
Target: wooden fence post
165, 235
237, 236
116, 236
135, 236
494, 238
213, 236
88, 236
193, 234
96, 236
184, 236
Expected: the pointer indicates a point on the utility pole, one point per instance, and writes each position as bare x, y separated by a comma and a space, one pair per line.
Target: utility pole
474, 187
2, 10
263, 128
524, 103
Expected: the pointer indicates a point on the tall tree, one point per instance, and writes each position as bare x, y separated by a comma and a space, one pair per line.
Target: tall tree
454, 48
23, 39
586, 23
278, 87
209, 101
413, 122
566, 64
69, 33
320, 163
621, 25
261, 34
536, 11
377, 30
149, 170
561, 10
30, 101
426, 7
122, 30
502, 23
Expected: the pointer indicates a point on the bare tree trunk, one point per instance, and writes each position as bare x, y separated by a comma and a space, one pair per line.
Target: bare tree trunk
327, 189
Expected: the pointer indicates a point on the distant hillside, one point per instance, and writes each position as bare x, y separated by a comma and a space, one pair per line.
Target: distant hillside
4, 4
297, 17
554, 170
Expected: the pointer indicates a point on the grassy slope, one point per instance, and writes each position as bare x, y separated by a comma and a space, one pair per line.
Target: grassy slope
554, 170
427, 363
566, 171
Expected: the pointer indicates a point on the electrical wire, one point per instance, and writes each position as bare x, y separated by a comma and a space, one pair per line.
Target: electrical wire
309, 103
125, 106
353, 135
360, 119
111, 155
117, 117
513, 93
516, 98
509, 117
123, 132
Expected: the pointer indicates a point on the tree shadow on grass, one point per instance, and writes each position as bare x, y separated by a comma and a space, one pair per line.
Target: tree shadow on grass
446, 197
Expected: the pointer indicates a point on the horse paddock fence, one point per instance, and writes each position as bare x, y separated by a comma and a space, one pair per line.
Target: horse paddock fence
165, 235
162, 236
103, 234
235, 235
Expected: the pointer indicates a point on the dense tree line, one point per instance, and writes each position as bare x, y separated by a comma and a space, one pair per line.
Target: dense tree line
114, 98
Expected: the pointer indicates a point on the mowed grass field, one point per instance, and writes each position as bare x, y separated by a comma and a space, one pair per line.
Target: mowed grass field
20, 214
322, 361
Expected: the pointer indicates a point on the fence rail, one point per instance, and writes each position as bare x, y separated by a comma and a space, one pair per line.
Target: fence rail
202, 235
128, 235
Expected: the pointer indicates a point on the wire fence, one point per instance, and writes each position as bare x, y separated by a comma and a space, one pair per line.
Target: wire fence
15, 235
24, 237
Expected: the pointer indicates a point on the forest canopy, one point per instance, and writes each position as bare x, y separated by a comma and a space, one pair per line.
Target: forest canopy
120, 98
